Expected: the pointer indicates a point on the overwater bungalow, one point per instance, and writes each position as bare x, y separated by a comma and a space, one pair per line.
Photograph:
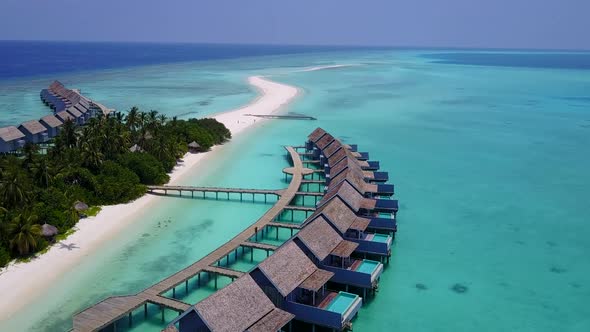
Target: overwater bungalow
11, 139
353, 228
315, 136
240, 306
64, 116
79, 118
52, 123
359, 204
331, 252
297, 285
351, 163
85, 112
35, 131
337, 151
56, 103
357, 180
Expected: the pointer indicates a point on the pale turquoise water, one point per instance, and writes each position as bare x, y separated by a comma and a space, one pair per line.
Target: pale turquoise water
381, 238
341, 302
490, 166
367, 266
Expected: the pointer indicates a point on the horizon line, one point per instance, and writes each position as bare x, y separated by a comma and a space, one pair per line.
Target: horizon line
376, 46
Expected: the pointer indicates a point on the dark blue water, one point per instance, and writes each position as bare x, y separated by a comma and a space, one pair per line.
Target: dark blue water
574, 60
39, 58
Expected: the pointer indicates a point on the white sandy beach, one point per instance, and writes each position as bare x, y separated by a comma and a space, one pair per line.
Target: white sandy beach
21, 283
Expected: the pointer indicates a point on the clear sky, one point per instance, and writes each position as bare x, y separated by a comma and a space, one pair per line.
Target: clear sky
563, 24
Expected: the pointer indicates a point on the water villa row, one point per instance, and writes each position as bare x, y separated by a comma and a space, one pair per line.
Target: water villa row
66, 105
318, 276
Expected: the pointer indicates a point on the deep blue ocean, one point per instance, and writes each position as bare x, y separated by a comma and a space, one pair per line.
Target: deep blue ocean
38, 58
488, 151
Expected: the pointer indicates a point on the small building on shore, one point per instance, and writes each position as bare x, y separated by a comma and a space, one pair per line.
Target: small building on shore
35, 131
11, 139
52, 123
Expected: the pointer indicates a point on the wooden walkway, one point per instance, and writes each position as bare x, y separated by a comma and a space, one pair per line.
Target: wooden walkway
282, 117
180, 189
110, 310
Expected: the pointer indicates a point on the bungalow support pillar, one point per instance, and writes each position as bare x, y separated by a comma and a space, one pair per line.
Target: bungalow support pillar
130, 319
145, 310
162, 310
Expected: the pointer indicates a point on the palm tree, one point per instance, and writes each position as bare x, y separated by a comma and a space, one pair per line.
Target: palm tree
30, 151
91, 155
24, 233
132, 118
14, 187
69, 134
42, 172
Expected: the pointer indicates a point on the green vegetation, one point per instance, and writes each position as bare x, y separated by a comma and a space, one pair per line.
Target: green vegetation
92, 164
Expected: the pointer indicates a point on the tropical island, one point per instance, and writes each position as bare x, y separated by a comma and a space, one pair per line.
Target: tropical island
109, 160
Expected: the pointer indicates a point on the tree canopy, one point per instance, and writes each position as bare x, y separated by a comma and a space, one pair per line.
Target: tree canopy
93, 164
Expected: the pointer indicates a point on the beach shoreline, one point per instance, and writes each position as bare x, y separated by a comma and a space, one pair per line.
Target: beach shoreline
20, 283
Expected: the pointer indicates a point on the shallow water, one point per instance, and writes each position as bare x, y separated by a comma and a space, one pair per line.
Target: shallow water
490, 167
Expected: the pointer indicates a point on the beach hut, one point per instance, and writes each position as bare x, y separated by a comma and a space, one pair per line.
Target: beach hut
35, 131
49, 231
240, 306
135, 148
52, 124
331, 252
80, 206
297, 285
194, 147
11, 139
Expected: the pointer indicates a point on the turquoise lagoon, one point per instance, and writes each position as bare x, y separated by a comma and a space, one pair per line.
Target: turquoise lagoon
490, 164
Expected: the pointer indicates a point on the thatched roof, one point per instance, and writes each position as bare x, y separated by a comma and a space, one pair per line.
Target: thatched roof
332, 148
51, 121
194, 145
325, 141
65, 115
170, 328
81, 206
11, 133
319, 237
344, 249
33, 127
356, 179
135, 148
81, 108
341, 216
273, 321
235, 307
317, 280
336, 157
347, 193
48, 230
73, 111
316, 134
287, 268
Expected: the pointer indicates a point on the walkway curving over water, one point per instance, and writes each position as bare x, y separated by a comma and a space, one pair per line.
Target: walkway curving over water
112, 309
